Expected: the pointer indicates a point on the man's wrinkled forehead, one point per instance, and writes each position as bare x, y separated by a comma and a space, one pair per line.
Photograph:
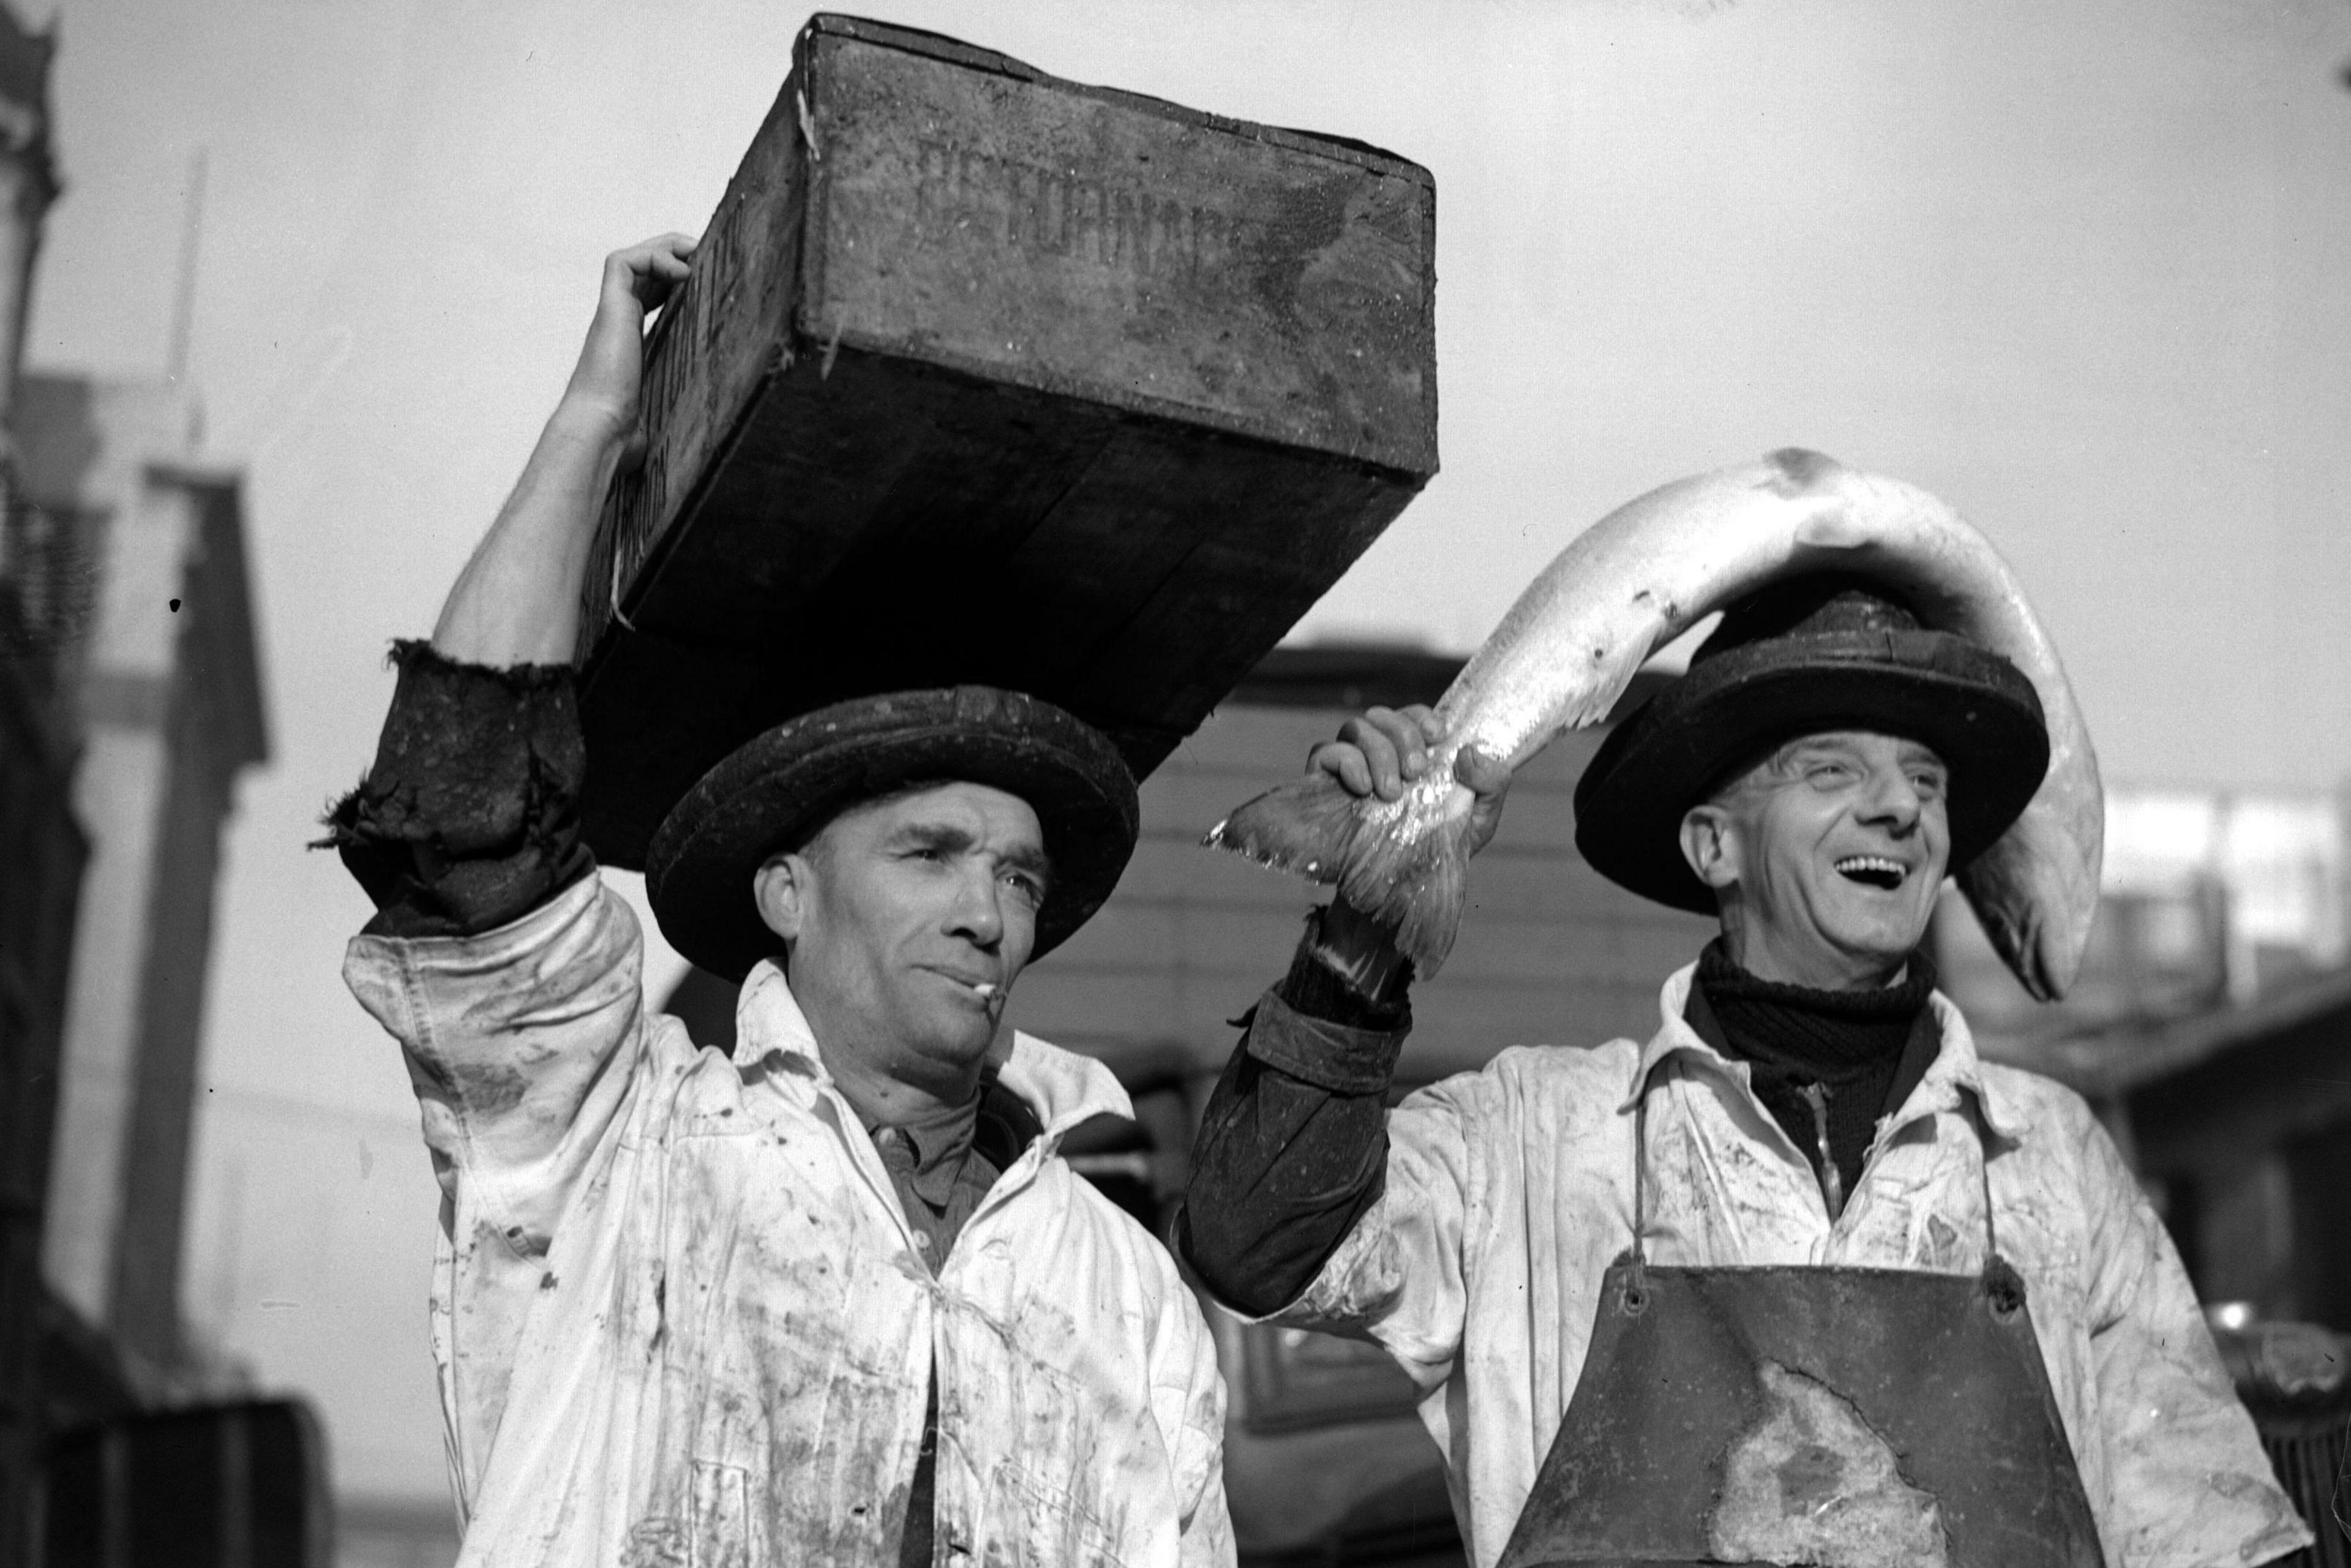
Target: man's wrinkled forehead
1781, 761
1846, 741
941, 810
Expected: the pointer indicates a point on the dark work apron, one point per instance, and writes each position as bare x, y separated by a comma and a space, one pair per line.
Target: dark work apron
1838, 1417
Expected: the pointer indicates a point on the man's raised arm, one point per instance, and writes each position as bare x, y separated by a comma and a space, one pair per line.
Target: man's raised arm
468, 818
517, 600
1292, 1148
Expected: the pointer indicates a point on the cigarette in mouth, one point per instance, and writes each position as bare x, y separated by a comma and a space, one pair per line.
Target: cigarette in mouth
986, 991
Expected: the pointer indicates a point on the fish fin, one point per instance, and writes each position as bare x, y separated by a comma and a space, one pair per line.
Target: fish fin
1416, 889
1303, 826
1313, 827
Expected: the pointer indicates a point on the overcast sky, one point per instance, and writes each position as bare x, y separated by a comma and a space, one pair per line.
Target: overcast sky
2080, 267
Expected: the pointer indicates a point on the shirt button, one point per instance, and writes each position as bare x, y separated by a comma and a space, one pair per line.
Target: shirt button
922, 1242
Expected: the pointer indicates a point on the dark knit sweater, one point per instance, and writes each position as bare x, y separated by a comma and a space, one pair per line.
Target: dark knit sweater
1827, 1064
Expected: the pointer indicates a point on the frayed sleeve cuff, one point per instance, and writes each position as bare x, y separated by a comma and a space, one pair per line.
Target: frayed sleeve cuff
470, 816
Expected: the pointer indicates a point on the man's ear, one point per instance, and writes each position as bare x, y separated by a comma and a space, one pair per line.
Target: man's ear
1711, 844
780, 889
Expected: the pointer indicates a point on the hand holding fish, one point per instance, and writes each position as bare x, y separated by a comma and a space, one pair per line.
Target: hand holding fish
1386, 750
1378, 756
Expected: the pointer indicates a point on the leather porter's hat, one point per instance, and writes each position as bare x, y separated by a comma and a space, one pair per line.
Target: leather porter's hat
1802, 656
775, 791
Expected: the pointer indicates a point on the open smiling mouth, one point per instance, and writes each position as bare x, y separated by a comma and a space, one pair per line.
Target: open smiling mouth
1877, 871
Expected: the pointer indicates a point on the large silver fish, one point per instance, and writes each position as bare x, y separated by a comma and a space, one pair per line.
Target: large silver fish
1633, 582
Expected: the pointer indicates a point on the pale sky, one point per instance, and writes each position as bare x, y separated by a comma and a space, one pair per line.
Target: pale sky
2080, 267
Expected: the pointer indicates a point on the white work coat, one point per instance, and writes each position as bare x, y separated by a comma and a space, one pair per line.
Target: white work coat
679, 1314
1509, 1192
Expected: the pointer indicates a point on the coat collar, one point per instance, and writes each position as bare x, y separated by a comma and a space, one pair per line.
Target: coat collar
1061, 1087
1957, 1067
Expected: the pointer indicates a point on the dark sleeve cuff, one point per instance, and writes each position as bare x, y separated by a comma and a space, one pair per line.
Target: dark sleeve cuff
470, 817
1281, 1169
1317, 989
1337, 1057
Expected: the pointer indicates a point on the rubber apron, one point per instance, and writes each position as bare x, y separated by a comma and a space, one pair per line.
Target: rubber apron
1841, 1418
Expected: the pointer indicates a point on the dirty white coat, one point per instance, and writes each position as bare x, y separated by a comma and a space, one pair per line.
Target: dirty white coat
679, 1315
1509, 1192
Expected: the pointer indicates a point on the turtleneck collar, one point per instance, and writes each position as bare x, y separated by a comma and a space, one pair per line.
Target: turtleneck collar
1825, 1064
1822, 1035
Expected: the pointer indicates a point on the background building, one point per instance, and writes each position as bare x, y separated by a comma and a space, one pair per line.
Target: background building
42, 848
2208, 899
167, 704
2212, 1029
130, 701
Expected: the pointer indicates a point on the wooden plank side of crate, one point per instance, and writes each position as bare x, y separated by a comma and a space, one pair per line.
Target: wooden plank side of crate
653, 723
715, 345
918, 419
1305, 320
826, 566
1119, 249
1130, 549
873, 475
1245, 583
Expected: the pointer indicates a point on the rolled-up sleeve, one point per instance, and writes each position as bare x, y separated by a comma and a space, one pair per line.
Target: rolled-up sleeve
469, 815
1289, 1154
2191, 1486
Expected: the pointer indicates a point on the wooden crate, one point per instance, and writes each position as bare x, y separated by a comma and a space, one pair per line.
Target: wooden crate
984, 376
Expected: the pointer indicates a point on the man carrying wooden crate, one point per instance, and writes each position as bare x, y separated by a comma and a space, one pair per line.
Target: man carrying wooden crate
835, 1299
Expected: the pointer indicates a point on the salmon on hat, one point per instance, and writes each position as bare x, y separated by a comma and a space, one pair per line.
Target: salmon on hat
1806, 655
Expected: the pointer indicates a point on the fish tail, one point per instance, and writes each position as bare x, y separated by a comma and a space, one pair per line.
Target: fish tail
1303, 826
2013, 935
2026, 916
1416, 887
1413, 884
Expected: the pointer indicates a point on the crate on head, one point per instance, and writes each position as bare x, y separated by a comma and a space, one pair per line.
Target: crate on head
985, 376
